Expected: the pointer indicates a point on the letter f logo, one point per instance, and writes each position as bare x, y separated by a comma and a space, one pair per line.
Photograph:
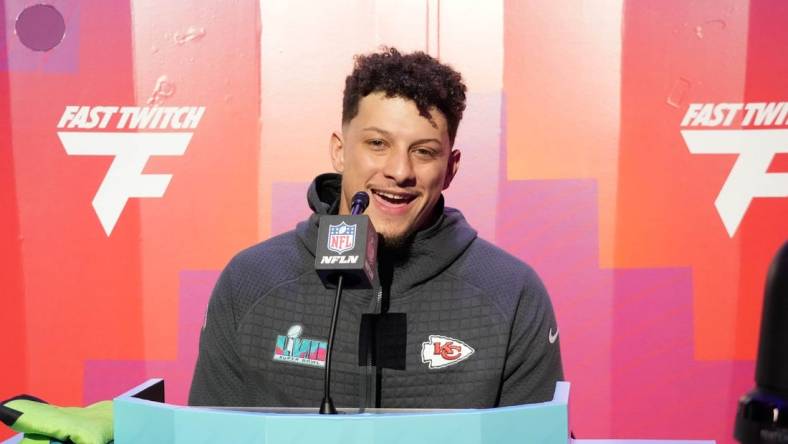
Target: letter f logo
124, 179
748, 178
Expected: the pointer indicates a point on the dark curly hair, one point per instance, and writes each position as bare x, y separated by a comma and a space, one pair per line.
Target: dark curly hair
416, 76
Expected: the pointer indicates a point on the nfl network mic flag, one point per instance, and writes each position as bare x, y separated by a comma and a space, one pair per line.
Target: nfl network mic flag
346, 245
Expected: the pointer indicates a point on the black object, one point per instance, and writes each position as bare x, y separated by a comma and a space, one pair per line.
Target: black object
355, 236
359, 204
383, 340
762, 416
347, 245
153, 392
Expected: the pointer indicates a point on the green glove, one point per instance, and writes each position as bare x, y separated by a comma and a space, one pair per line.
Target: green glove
41, 422
40, 439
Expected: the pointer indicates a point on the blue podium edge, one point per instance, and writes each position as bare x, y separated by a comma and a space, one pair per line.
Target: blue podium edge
140, 419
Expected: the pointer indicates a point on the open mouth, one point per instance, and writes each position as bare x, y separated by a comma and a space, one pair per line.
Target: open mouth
393, 199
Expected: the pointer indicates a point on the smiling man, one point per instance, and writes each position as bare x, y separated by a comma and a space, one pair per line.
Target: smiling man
480, 327
402, 159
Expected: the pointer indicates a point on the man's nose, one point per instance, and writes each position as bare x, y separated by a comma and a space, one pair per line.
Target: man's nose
399, 167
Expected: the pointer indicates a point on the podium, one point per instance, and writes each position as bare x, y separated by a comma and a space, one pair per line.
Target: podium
141, 416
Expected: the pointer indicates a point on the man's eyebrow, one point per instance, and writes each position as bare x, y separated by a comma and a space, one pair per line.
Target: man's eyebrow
420, 141
388, 134
380, 130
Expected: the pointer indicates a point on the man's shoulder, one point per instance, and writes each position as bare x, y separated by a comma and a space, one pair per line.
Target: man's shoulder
496, 271
484, 259
287, 242
257, 270
279, 258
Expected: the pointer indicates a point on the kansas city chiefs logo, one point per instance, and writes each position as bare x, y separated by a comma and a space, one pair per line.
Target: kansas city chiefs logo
442, 351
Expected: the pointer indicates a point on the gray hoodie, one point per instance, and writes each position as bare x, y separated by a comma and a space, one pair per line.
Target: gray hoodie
480, 330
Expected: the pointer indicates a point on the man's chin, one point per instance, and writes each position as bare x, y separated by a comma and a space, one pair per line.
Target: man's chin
392, 242
395, 242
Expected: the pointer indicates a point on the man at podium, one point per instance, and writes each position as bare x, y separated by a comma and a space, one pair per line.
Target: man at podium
462, 323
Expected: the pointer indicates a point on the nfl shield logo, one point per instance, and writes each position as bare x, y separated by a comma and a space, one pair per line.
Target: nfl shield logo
341, 238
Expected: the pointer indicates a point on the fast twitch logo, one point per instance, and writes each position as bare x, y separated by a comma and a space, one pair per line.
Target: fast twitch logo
136, 134
758, 137
294, 349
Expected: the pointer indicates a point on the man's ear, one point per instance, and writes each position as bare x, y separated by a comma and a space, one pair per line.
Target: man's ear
454, 166
337, 152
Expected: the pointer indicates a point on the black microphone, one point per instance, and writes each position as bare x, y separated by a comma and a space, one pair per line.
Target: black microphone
345, 256
762, 416
359, 203
347, 247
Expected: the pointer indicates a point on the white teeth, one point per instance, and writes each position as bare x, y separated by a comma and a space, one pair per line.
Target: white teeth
392, 196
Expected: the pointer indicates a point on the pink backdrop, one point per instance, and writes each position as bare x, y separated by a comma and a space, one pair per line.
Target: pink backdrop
577, 158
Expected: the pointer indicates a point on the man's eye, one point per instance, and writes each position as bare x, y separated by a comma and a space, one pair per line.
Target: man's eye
376, 143
425, 152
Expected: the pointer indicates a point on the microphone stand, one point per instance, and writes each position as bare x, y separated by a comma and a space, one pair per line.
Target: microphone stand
358, 205
327, 406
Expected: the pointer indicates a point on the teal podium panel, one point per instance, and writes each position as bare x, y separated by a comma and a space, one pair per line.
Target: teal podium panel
140, 416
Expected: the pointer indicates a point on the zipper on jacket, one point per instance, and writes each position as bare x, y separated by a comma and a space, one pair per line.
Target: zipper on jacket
368, 380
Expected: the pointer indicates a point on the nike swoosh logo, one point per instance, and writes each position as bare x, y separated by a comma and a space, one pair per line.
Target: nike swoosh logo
552, 337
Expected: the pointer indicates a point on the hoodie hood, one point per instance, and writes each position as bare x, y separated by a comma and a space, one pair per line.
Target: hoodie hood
433, 249
323, 194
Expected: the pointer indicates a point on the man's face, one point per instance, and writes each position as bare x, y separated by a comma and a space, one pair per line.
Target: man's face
399, 158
